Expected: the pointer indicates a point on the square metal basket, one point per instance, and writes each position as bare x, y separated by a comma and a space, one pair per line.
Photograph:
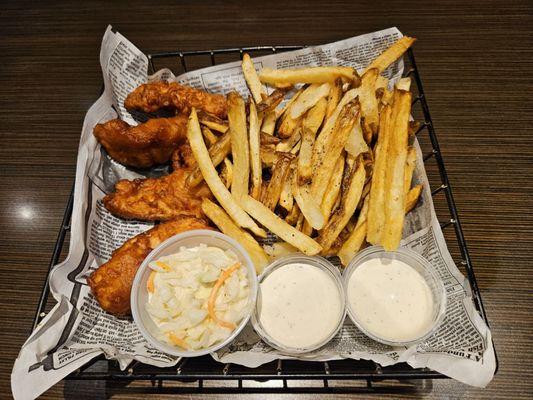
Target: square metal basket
205, 375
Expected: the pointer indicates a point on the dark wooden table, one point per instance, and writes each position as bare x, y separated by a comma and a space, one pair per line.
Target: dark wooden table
475, 58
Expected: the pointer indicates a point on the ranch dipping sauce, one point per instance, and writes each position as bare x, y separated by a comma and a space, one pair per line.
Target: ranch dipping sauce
391, 300
300, 305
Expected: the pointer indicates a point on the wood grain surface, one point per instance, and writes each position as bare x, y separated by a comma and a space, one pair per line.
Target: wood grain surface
475, 59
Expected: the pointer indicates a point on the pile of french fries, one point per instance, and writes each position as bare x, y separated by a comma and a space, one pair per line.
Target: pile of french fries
327, 171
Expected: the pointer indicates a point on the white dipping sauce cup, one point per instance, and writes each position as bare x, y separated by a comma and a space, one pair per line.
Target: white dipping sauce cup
420, 265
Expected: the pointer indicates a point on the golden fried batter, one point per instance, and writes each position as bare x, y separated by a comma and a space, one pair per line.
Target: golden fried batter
154, 96
157, 199
111, 282
144, 145
183, 157
160, 199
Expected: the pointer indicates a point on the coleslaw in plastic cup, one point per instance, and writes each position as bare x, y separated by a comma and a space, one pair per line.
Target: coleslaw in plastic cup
181, 254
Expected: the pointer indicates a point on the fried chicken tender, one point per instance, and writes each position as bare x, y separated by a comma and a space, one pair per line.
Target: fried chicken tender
111, 282
144, 145
157, 199
154, 96
160, 199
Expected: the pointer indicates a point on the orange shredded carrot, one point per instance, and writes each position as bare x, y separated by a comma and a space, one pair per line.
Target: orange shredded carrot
150, 282
177, 341
213, 296
161, 264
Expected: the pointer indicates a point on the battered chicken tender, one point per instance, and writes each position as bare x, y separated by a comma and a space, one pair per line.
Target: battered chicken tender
111, 282
144, 145
160, 199
154, 96
182, 157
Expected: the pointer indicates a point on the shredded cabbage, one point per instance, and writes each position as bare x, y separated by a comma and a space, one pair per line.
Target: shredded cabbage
182, 285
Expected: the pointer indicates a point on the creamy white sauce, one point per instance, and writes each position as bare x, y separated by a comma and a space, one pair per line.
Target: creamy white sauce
300, 305
391, 300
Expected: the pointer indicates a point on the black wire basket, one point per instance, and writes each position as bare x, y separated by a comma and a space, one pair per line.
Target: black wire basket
203, 374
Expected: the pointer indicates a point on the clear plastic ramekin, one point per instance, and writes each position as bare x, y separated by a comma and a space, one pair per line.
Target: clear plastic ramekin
419, 264
318, 262
139, 293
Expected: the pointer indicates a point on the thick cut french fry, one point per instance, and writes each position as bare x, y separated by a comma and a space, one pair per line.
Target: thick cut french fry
272, 101
282, 110
287, 144
333, 189
227, 172
314, 117
338, 199
267, 139
293, 215
367, 134
350, 161
352, 245
279, 249
348, 228
239, 146
327, 133
307, 229
356, 144
356, 239
310, 124
209, 136
224, 197
397, 154
264, 187
410, 164
212, 122
310, 96
269, 123
296, 149
300, 222
217, 154
308, 206
349, 201
283, 86
412, 198
222, 220
369, 102
363, 214
366, 95
382, 82
376, 207
364, 195
269, 156
279, 227
286, 198
354, 242
386, 97
391, 54
250, 75
307, 75
379, 95
343, 127
404, 84
288, 125
255, 157
334, 97
279, 175
335, 247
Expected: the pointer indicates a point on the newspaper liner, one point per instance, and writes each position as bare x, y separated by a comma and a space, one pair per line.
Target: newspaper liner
77, 330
